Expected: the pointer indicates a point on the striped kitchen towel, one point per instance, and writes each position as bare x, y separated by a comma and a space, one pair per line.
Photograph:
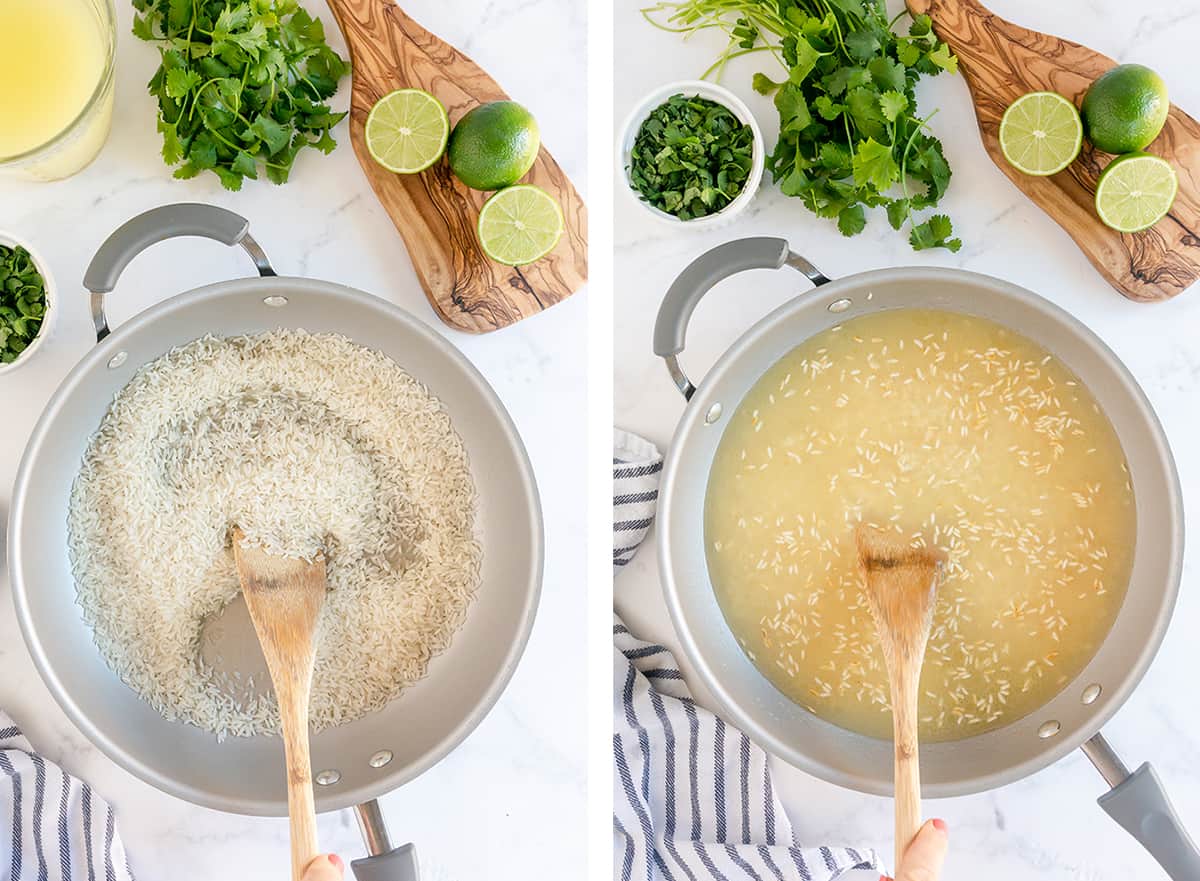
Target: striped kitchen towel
693, 799
52, 826
637, 465
692, 796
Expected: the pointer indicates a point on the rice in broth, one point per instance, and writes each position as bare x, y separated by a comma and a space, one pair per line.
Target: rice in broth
953, 431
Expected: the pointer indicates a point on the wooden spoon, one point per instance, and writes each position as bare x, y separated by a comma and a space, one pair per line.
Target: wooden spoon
284, 597
901, 582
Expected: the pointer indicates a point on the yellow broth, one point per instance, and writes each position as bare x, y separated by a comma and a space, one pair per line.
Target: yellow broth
955, 432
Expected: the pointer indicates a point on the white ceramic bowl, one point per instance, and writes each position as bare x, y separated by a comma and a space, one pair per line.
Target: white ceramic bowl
11, 241
720, 95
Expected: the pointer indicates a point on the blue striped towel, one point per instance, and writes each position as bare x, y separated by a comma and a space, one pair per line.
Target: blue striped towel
692, 797
52, 826
637, 465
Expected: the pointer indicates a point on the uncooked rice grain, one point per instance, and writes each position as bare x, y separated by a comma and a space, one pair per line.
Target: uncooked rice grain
307, 442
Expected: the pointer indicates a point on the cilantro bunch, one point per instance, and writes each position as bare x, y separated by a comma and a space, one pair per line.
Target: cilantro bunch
850, 137
691, 157
240, 84
22, 302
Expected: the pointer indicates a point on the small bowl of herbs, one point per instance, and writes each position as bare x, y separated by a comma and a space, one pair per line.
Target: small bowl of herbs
25, 302
692, 153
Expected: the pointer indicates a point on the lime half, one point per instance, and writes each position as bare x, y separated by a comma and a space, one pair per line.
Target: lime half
1041, 133
407, 131
519, 225
1135, 192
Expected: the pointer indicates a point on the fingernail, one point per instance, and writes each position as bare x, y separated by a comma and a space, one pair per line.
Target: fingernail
337, 862
939, 825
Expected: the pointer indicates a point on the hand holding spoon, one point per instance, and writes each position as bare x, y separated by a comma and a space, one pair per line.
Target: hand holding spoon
284, 596
901, 582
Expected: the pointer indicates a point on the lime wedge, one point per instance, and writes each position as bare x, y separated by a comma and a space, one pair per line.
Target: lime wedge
519, 225
1135, 192
1041, 133
406, 131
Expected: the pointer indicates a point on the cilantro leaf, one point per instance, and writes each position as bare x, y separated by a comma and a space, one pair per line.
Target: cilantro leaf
935, 232
892, 104
827, 108
943, 58
793, 110
862, 45
764, 85
180, 81
874, 165
851, 220
887, 74
898, 211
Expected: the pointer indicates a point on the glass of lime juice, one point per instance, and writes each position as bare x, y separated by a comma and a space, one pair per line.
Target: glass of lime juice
56, 85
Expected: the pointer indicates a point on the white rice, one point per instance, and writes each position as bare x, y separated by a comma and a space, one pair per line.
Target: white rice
305, 441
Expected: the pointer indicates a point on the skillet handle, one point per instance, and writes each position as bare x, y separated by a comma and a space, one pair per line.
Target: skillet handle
385, 863
1139, 803
700, 276
156, 225
399, 864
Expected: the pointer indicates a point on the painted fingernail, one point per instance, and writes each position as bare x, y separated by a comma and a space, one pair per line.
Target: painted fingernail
939, 825
337, 862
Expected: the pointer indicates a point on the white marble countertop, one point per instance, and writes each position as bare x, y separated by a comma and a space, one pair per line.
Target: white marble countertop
482, 812
1048, 825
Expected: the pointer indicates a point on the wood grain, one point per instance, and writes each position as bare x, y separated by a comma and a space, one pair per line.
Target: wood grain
1002, 61
900, 583
434, 213
284, 597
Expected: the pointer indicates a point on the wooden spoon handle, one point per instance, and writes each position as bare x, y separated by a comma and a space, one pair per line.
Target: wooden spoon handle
293, 711
908, 769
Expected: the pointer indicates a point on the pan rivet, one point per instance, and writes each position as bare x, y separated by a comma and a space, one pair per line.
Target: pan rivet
117, 360
275, 301
1091, 693
328, 777
1049, 729
840, 305
380, 758
713, 414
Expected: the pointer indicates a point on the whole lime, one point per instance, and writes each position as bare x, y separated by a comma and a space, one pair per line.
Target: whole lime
1125, 108
494, 145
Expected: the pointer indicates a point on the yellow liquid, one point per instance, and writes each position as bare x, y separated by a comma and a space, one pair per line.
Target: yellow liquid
955, 432
52, 57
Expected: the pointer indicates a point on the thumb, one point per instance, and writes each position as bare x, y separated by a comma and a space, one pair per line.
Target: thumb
326, 867
924, 858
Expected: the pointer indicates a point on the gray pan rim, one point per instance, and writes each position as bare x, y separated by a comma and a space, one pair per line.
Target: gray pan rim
96, 357
692, 420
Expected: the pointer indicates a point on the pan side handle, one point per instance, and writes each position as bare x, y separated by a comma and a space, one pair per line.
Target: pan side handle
700, 276
1140, 805
157, 225
385, 863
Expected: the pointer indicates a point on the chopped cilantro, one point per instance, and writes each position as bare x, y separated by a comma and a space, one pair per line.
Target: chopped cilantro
691, 157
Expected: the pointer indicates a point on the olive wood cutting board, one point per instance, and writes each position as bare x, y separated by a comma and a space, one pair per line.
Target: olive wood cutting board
1002, 61
435, 213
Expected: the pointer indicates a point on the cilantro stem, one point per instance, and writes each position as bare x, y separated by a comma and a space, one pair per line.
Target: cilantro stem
720, 62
